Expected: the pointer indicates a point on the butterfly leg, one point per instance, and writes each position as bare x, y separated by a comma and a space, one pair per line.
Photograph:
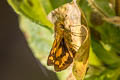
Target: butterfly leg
81, 34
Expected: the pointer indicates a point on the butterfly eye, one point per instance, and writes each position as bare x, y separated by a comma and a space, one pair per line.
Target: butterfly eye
62, 26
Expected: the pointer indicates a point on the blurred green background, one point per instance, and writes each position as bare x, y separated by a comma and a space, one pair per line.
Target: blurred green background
103, 21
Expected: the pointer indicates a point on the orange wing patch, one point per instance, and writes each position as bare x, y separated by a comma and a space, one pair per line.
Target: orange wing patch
60, 56
51, 57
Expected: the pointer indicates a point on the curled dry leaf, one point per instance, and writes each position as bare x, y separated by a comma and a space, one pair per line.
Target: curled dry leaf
81, 58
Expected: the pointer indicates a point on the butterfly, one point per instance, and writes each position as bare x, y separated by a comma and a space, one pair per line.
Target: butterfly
62, 53
63, 50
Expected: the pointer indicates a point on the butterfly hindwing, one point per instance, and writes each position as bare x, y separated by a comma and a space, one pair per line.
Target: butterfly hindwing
63, 57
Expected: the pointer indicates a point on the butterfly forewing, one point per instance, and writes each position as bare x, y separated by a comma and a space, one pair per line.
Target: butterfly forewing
63, 57
51, 57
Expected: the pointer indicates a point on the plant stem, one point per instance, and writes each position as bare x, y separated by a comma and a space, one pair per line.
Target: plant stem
117, 7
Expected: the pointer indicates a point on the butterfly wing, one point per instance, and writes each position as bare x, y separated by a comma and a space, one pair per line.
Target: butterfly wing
63, 57
51, 57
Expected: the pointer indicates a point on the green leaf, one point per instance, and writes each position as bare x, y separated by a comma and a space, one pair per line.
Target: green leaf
36, 10
32, 9
110, 35
105, 6
58, 3
86, 9
39, 38
109, 74
93, 59
102, 53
